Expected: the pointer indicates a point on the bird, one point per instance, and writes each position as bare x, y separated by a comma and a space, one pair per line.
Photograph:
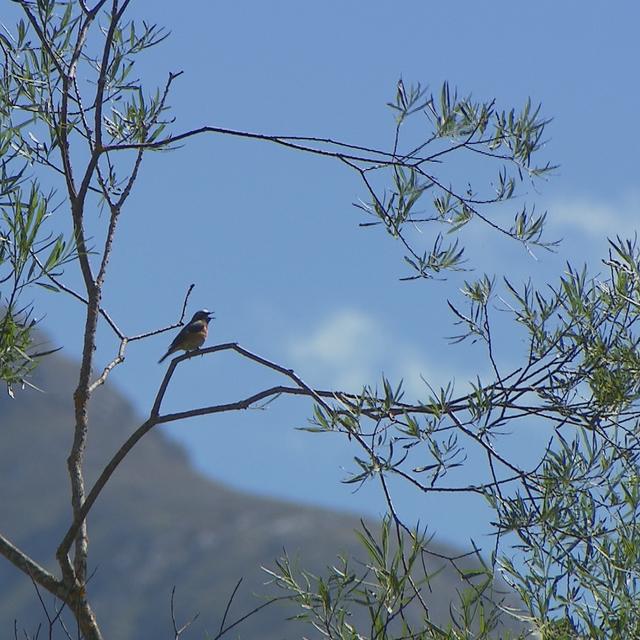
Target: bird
191, 336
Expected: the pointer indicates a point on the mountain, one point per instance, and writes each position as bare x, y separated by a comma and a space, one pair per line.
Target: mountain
157, 525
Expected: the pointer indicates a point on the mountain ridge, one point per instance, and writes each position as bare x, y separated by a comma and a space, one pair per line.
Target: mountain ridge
158, 523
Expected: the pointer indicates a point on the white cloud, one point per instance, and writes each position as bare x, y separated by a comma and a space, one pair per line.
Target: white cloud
597, 218
349, 349
342, 348
339, 338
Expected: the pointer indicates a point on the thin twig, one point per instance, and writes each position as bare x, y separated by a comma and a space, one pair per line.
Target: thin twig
124, 341
229, 602
178, 631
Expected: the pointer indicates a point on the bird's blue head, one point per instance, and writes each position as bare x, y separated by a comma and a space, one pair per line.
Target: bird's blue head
203, 314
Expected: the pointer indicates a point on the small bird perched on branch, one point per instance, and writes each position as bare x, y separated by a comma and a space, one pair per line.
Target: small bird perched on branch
193, 335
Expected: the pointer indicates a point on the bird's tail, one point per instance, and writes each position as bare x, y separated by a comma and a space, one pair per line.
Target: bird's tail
166, 355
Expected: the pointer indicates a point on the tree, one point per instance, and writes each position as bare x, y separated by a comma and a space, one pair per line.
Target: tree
569, 516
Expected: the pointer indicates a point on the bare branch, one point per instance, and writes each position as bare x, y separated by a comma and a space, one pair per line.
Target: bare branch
124, 341
178, 631
77, 296
119, 359
32, 569
229, 603
368, 155
154, 419
247, 615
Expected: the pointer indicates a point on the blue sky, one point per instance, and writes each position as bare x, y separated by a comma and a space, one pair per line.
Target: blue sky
270, 237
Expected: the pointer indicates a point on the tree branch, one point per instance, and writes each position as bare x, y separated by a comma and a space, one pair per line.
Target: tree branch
32, 569
125, 340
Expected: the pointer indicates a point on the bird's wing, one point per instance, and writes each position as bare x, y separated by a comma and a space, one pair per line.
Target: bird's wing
179, 338
194, 327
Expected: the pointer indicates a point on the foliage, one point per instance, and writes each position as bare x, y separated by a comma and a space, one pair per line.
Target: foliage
462, 129
567, 524
28, 250
387, 596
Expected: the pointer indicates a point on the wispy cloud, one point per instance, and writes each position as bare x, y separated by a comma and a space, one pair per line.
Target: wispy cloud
348, 349
597, 218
